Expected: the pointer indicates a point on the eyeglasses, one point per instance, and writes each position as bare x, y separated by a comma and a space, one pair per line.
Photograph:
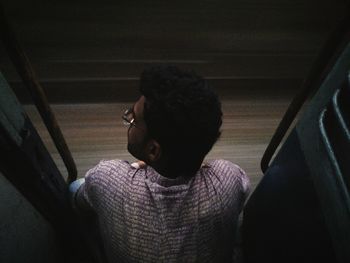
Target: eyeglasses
128, 117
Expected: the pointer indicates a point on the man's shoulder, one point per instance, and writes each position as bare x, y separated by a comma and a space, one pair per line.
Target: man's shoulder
228, 173
100, 183
221, 165
109, 168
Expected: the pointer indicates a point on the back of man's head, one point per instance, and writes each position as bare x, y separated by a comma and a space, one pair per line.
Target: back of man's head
182, 113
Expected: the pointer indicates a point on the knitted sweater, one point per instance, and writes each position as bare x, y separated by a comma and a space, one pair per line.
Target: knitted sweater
145, 217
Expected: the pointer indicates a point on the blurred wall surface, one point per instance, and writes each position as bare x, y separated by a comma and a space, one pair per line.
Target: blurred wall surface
96, 50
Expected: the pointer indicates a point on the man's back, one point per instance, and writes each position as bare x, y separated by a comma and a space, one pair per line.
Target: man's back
145, 217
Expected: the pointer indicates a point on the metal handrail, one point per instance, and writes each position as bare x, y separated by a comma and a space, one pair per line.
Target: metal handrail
322, 64
26, 72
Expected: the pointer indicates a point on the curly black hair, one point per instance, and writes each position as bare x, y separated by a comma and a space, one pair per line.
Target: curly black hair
181, 112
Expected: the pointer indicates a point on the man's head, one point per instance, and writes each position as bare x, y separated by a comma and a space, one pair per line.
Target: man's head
177, 120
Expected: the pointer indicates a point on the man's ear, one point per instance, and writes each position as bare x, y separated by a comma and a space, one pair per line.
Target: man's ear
153, 150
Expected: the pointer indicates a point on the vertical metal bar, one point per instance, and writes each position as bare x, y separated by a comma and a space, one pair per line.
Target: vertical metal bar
321, 65
335, 198
26, 72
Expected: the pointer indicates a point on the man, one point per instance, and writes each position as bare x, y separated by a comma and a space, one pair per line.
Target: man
168, 206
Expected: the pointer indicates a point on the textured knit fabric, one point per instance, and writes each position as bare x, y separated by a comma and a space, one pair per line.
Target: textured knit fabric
145, 217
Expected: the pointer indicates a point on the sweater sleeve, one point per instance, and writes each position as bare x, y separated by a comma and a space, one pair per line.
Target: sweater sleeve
84, 198
233, 183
